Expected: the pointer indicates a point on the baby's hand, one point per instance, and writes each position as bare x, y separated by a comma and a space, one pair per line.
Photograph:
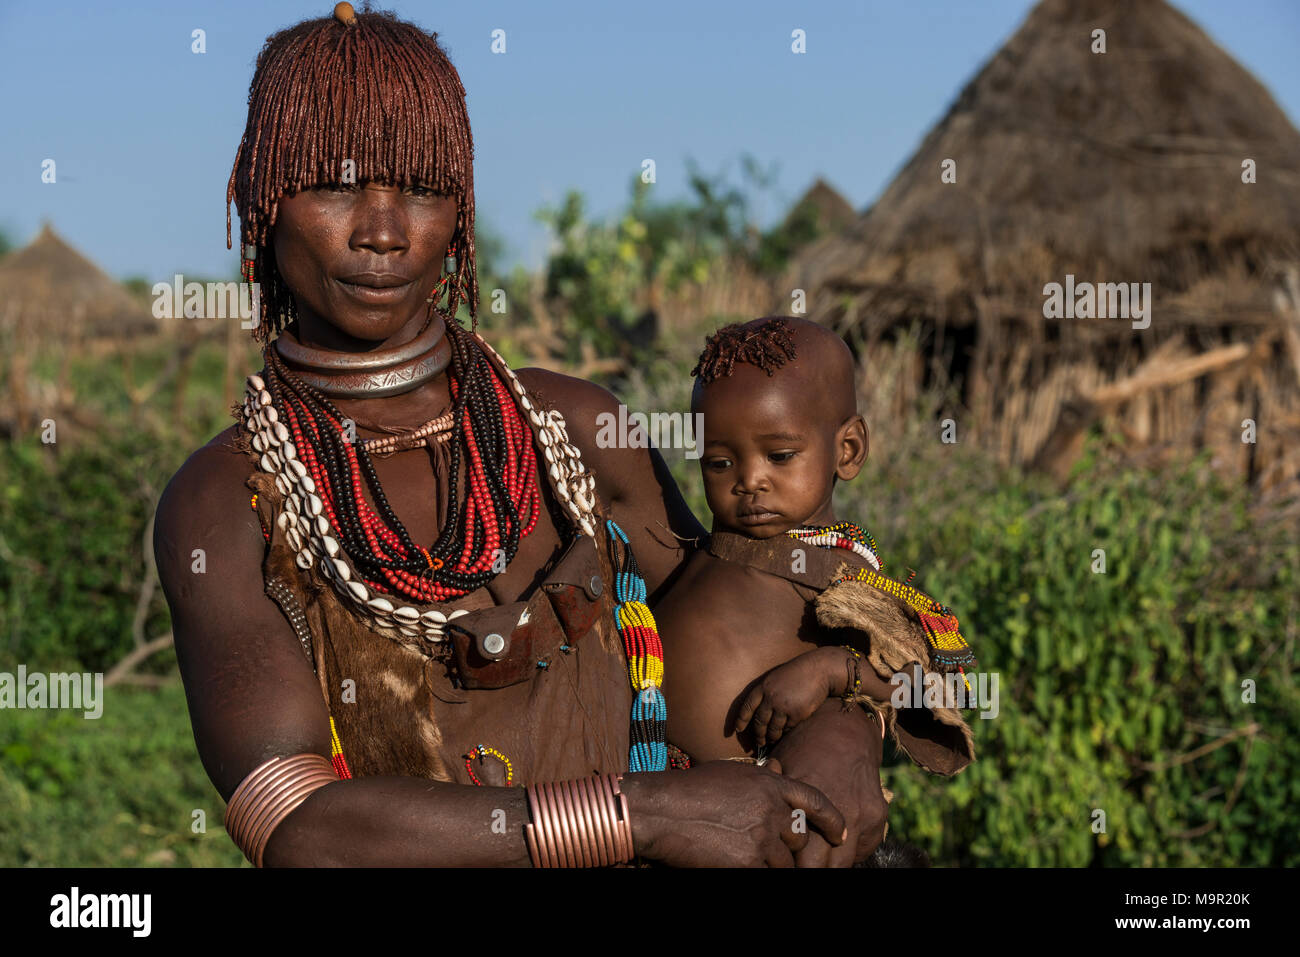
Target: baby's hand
790, 693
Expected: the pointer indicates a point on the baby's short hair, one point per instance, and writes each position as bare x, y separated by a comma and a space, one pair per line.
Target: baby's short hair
767, 343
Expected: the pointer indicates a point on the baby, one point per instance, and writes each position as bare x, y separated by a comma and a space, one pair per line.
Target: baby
786, 606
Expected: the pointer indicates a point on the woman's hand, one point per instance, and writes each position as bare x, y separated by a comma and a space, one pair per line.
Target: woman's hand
839, 753
727, 814
790, 693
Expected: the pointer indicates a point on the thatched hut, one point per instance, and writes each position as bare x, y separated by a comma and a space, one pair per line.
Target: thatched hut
1132, 165
54, 301
51, 291
823, 207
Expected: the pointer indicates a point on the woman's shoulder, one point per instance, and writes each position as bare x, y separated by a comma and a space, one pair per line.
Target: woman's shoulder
208, 497
572, 397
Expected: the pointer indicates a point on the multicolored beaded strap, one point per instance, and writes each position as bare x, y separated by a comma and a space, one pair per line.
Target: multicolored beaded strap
645, 657
841, 535
336, 753
948, 649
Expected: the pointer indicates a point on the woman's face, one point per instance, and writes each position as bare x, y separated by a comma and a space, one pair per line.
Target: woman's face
361, 260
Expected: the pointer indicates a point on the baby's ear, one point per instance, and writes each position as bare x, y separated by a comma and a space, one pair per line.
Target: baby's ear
853, 441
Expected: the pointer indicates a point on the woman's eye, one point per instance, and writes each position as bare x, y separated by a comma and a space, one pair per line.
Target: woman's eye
421, 191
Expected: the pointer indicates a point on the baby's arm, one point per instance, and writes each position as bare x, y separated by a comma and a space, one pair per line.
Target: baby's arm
790, 693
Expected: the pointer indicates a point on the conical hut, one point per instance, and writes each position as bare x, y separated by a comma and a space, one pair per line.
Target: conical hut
822, 207
52, 301
48, 290
1107, 143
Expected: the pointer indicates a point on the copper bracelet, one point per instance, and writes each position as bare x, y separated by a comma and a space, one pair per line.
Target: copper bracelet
269, 794
581, 823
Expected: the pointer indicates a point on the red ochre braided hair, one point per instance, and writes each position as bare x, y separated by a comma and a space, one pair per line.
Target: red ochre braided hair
766, 343
380, 92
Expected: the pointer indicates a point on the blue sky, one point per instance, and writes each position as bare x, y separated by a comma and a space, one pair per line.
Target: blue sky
144, 131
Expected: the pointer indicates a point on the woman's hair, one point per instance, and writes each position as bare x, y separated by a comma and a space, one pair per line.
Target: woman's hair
378, 92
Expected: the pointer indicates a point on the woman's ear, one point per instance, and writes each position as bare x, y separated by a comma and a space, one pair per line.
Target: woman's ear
853, 441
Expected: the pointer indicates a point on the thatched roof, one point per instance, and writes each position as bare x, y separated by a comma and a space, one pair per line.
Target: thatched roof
49, 289
1122, 166
829, 210
1125, 166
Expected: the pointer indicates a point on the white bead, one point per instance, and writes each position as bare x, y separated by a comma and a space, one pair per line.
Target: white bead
314, 504
341, 567
435, 618
304, 560
322, 524
457, 613
281, 485
331, 546
288, 451
269, 463
296, 466
545, 438
409, 631
256, 384
294, 539
406, 614
381, 606
587, 528
268, 436
271, 415
556, 473
293, 502
326, 569
259, 443
359, 591
282, 520
263, 398
307, 484
278, 428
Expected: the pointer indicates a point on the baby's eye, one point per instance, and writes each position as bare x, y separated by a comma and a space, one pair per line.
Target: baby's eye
719, 465
782, 456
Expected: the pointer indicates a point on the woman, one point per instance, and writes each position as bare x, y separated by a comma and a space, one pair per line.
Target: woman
422, 581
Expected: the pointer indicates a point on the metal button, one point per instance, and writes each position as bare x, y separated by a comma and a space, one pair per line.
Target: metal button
596, 586
493, 644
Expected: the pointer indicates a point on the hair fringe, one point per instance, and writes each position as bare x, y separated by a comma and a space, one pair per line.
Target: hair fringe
382, 93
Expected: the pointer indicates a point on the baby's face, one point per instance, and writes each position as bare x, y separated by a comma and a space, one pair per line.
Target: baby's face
769, 454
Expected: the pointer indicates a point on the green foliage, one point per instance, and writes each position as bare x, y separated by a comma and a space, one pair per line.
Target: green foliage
1108, 681
117, 791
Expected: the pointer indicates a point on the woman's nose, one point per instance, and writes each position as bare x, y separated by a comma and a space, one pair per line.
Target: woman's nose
381, 220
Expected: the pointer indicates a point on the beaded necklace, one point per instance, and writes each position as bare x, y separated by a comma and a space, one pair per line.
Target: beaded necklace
841, 535
337, 532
